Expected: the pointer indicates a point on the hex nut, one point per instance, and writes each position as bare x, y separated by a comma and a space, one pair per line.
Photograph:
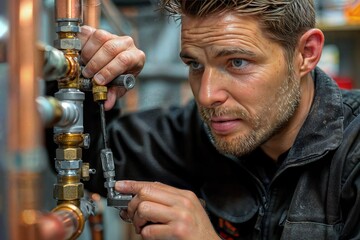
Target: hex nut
68, 43
68, 28
68, 191
69, 164
68, 153
99, 92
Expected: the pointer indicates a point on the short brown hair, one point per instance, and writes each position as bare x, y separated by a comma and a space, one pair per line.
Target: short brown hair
283, 21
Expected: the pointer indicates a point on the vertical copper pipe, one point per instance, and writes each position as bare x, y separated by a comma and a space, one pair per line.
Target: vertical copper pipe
4, 30
24, 124
24, 130
92, 13
68, 9
96, 221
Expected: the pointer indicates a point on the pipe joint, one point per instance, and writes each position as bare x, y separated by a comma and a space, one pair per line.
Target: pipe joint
73, 217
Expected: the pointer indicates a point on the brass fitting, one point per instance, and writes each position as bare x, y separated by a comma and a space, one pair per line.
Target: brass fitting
85, 171
71, 213
69, 192
99, 92
69, 140
68, 153
69, 164
72, 76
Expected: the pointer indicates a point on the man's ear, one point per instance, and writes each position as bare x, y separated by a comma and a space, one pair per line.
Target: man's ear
309, 48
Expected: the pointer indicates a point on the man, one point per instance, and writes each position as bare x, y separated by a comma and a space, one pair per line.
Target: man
271, 144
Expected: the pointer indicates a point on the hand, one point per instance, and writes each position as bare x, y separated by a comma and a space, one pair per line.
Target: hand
159, 211
106, 56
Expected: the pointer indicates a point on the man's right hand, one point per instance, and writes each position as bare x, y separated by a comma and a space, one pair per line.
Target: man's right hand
106, 56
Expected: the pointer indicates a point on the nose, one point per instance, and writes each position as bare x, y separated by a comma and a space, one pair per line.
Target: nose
212, 89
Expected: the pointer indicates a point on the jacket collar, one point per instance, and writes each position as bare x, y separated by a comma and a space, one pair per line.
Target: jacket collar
323, 129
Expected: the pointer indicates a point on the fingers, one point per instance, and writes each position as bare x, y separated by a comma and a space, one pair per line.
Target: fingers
147, 195
85, 33
124, 216
159, 211
107, 55
92, 41
151, 213
156, 231
113, 94
133, 187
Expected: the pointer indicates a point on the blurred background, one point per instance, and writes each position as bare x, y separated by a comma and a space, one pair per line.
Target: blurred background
162, 83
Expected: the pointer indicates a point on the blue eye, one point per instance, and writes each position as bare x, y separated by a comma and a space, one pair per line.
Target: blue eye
239, 63
195, 65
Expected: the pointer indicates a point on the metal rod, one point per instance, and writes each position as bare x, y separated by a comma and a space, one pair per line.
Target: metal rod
103, 124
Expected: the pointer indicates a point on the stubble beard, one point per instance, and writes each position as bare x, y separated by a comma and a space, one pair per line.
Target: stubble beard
263, 128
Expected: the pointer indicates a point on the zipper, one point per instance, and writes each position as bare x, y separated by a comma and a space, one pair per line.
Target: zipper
259, 218
264, 201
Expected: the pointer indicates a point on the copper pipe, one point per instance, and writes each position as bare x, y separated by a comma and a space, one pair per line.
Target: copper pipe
96, 221
4, 31
25, 152
68, 9
24, 125
63, 223
92, 12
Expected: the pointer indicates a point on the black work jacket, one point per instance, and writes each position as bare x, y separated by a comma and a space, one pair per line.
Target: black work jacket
313, 194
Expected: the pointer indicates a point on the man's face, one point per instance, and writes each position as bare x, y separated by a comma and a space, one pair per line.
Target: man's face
240, 80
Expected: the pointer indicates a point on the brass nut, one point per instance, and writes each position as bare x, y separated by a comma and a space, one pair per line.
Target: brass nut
99, 92
68, 153
68, 191
99, 89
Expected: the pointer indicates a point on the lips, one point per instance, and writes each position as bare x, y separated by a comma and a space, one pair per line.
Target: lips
224, 126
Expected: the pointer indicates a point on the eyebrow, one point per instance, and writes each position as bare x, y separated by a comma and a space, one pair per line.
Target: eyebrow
185, 55
223, 52
232, 51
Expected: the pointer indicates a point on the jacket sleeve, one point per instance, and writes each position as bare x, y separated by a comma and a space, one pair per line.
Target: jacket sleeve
350, 181
351, 200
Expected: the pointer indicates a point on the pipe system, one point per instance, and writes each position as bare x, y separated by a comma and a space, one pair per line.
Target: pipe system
24, 160
69, 135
